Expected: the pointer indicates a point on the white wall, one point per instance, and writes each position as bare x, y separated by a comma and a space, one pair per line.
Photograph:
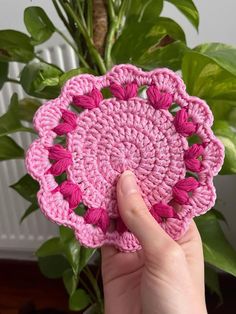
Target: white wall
217, 24
217, 18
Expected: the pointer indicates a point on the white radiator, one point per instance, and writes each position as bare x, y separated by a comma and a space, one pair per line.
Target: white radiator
20, 241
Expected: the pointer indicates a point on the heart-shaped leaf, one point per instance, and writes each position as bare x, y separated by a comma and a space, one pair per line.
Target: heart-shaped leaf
188, 8
27, 187
79, 300
10, 121
38, 24
15, 46
206, 78
224, 55
27, 108
143, 10
41, 80
3, 73
227, 136
147, 44
9, 149
53, 266
217, 249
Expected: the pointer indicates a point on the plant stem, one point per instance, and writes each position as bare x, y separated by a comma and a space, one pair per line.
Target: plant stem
66, 39
109, 44
92, 50
93, 281
81, 58
90, 18
81, 13
91, 293
11, 80
111, 33
122, 10
40, 59
111, 11
62, 17
114, 24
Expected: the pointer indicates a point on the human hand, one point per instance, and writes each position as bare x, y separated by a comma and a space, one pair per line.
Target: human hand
165, 276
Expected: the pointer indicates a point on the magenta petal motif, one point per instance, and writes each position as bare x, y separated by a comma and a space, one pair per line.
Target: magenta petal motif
125, 131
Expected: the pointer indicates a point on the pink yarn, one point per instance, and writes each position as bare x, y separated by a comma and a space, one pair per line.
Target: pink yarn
182, 125
123, 132
97, 216
62, 159
71, 193
181, 189
124, 92
191, 155
157, 99
69, 123
89, 101
160, 211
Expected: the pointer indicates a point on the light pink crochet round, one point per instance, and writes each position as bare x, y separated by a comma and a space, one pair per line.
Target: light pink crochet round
146, 134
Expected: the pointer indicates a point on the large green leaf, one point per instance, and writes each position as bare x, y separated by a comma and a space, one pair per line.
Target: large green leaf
207, 79
50, 247
27, 187
15, 46
169, 56
72, 253
224, 55
31, 209
188, 8
67, 75
79, 300
227, 136
53, 266
27, 108
10, 121
66, 234
85, 256
143, 10
41, 80
38, 24
9, 149
3, 73
217, 249
70, 281
146, 44
77, 255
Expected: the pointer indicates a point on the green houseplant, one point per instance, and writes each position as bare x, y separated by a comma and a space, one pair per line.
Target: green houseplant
104, 33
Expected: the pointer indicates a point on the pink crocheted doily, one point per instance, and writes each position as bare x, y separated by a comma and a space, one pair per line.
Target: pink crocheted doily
148, 135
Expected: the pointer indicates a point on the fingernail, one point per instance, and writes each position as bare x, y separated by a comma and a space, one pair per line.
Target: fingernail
128, 183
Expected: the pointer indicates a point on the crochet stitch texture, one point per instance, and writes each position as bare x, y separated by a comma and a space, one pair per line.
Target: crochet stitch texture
147, 135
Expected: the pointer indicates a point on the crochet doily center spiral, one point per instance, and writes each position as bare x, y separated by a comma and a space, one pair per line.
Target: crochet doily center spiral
126, 135
125, 156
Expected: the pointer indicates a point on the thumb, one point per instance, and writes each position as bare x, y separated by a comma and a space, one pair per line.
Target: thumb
137, 217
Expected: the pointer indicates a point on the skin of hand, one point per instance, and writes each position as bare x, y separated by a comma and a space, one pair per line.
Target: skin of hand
165, 276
